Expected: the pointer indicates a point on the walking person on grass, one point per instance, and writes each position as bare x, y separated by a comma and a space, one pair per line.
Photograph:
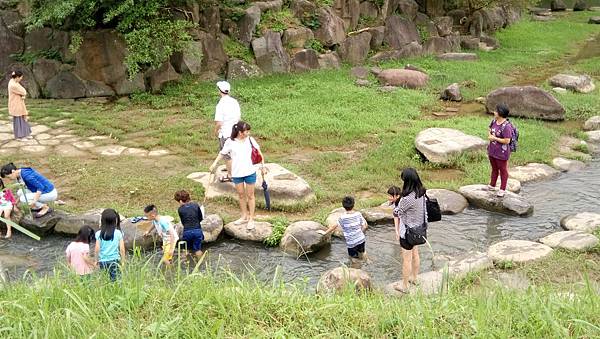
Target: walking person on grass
191, 216
165, 229
110, 246
500, 134
227, 114
240, 147
16, 106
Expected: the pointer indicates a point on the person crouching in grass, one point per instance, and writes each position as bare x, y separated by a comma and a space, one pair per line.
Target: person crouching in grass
165, 230
353, 226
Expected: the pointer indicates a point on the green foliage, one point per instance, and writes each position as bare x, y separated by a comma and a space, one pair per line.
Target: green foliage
279, 226
379, 3
315, 45
324, 3
505, 265
235, 49
277, 21
423, 32
366, 21
29, 57
311, 20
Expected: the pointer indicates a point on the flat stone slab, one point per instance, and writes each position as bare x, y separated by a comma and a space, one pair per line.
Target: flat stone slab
65, 136
98, 137
39, 129
585, 222
518, 251
158, 153
571, 240
471, 262
17, 143
6, 136
593, 137
339, 278
69, 151
440, 145
49, 142
286, 188
592, 124
567, 165
532, 172
301, 238
382, 214
111, 150
511, 203
458, 57
84, 144
136, 152
513, 281
450, 201
260, 232
429, 283
34, 149
43, 136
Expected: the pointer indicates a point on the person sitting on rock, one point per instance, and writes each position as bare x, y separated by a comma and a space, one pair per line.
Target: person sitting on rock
165, 229
7, 204
39, 190
353, 225
191, 215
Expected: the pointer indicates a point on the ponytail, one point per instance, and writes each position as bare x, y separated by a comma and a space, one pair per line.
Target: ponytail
240, 126
16, 74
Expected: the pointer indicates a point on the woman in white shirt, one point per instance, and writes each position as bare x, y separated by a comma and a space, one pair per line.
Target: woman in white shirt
243, 172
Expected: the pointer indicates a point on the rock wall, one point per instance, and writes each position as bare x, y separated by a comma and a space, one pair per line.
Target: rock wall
349, 31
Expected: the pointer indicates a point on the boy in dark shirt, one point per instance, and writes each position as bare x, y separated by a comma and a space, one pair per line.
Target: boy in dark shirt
191, 216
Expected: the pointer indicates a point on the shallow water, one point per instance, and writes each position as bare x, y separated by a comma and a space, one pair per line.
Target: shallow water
474, 229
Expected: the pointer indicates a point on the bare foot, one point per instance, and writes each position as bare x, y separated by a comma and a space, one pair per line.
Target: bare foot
240, 221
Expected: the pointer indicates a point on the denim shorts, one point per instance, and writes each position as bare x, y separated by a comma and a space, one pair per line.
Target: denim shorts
193, 237
356, 251
249, 179
112, 267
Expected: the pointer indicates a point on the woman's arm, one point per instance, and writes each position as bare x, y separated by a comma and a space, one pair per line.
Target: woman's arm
89, 260
397, 227
213, 167
18, 90
122, 251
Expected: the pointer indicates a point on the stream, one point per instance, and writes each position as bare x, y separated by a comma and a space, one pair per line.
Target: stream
474, 229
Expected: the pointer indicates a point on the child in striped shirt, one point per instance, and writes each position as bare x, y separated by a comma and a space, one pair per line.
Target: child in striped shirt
353, 226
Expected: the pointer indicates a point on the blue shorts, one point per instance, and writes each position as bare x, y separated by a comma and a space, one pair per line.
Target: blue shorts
357, 250
193, 237
250, 179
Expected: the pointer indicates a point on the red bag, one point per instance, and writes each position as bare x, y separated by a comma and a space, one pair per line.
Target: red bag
255, 155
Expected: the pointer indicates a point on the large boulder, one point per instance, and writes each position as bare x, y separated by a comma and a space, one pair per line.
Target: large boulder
44, 70
210, 20
444, 25
65, 85
594, 20
349, 11
286, 189
41, 225
407, 8
558, 6
451, 93
413, 49
45, 38
567, 165
190, 60
332, 220
339, 278
302, 8
296, 38
577, 83
580, 5
214, 58
518, 251
270, 55
585, 222
593, 137
571, 240
271, 5
133, 235
511, 203
402, 78
437, 45
369, 9
261, 231
400, 31
440, 145
469, 42
592, 124
71, 223
458, 57
329, 61
450, 201
305, 60
332, 30
247, 24
97, 89
301, 238
377, 34
101, 57
11, 43
526, 102
532, 172
355, 48
238, 69
158, 78
212, 226
493, 19
126, 86
378, 215
33, 90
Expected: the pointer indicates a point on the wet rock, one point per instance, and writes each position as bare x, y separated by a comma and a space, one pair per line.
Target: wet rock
592, 124
518, 251
133, 235
458, 57
269, 53
158, 78
567, 165
41, 225
440, 145
301, 238
444, 25
332, 219
305, 60
65, 85
44, 70
294, 38
412, 49
436, 46
349, 11
382, 214
212, 226
260, 232
247, 24
451, 93
511, 203
339, 278
286, 188
71, 223
577, 83
532, 172
238, 69
355, 48
471, 262
512, 185
332, 28
585, 222
329, 61
450, 201
580, 5
402, 78
594, 20
526, 102
558, 6
571, 240
399, 32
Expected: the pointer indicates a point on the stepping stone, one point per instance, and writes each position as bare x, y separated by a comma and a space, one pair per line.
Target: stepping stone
441, 145
71, 140
64, 136
260, 232
84, 144
301, 237
429, 283
17, 144
98, 137
332, 220
593, 137
158, 153
212, 226
6, 128
34, 149
512, 185
6, 136
592, 124
450, 201
7, 151
49, 142
382, 214
518, 251
136, 152
567, 165
39, 129
111, 151
585, 222
63, 122
511, 203
43, 136
458, 57
69, 151
472, 262
339, 278
532, 172
571, 240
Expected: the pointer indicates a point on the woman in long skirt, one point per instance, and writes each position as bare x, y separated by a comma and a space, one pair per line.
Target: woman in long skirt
16, 106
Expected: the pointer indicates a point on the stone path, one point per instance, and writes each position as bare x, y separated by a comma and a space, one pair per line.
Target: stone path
64, 142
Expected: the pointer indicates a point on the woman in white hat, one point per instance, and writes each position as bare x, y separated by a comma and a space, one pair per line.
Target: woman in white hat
227, 114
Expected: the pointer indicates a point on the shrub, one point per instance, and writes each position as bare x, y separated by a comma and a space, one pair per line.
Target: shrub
315, 45
237, 50
279, 226
277, 21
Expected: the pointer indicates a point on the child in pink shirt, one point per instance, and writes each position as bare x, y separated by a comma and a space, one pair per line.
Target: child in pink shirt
78, 252
7, 204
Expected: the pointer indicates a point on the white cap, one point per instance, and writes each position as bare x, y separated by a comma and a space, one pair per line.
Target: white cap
224, 86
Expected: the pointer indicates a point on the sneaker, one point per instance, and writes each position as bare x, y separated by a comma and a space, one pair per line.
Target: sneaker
240, 221
491, 188
500, 193
250, 225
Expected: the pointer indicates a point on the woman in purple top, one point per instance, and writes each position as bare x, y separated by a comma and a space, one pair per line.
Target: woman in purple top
499, 135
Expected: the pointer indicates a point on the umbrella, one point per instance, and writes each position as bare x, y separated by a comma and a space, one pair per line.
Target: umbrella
266, 193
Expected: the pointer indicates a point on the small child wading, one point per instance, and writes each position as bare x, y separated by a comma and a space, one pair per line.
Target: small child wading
165, 229
110, 247
78, 252
7, 204
353, 225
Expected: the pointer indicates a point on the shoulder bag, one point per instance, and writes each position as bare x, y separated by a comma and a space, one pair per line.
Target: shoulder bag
417, 235
255, 155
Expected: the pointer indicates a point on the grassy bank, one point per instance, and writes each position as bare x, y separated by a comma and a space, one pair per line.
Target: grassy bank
341, 138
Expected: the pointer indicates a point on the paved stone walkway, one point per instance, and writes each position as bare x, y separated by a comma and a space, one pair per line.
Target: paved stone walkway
64, 142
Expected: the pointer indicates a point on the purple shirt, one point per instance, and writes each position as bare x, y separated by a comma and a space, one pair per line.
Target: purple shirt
497, 150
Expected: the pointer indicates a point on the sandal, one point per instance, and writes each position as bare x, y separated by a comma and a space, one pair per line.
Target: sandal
38, 215
400, 289
225, 179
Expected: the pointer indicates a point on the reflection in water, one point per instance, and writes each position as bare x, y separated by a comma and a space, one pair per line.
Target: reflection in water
473, 229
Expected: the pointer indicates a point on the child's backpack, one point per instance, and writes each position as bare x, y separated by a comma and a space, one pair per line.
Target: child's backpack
514, 140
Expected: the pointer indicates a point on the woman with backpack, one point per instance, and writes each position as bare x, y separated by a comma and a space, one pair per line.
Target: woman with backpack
500, 134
